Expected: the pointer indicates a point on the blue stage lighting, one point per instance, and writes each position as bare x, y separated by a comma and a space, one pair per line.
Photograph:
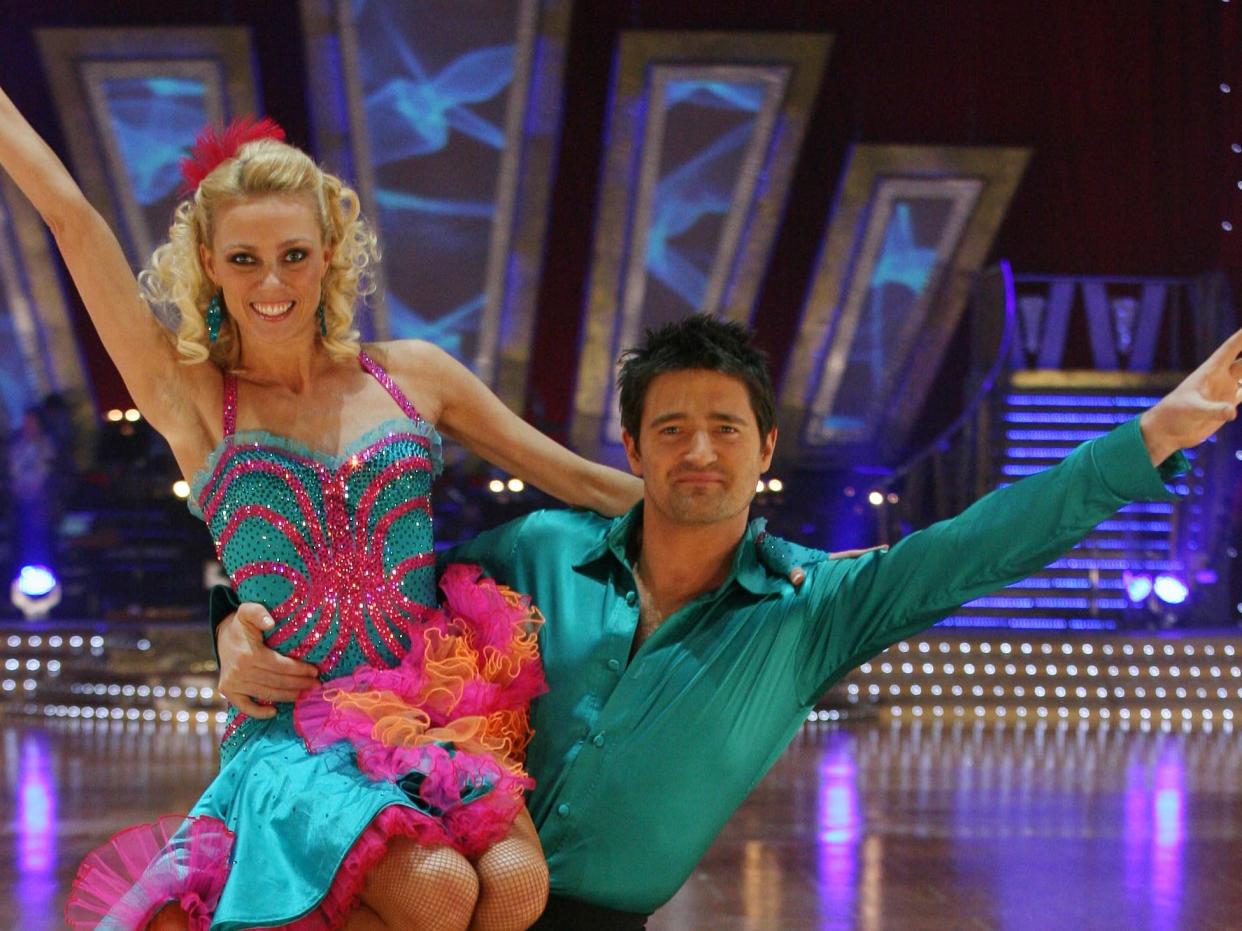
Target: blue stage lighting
1171, 590
35, 581
35, 591
1138, 587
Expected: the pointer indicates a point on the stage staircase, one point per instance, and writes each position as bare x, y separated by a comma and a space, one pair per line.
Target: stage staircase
1039, 419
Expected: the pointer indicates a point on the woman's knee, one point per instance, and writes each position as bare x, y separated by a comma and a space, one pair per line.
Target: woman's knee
432, 888
513, 880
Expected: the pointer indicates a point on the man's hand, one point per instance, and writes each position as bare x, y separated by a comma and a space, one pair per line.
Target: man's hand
250, 669
1204, 402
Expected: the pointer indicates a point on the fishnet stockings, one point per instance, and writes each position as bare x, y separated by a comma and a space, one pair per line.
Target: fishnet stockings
513, 881
428, 888
437, 889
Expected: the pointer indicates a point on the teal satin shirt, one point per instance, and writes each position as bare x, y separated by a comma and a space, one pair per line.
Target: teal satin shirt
640, 762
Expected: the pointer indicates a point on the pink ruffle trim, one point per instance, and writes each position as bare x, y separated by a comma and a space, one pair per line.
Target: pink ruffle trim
469, 675
147, 866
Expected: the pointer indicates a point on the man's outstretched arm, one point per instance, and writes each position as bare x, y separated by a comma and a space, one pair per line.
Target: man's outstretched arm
866, 604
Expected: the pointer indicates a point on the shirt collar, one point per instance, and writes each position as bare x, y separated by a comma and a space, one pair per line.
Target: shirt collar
747, 569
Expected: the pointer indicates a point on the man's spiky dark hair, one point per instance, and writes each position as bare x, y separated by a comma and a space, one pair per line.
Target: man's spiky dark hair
695, 342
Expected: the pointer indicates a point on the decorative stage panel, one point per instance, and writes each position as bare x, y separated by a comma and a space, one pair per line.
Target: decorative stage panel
39, 354
703, 130
446, 116
1124, 316
910, 228
131, 102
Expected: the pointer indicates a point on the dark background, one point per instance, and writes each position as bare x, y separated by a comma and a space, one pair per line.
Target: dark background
1120, 100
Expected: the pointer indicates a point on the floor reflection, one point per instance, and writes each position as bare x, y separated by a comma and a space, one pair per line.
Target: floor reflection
867, 826
36, 825
839, 825
930, 827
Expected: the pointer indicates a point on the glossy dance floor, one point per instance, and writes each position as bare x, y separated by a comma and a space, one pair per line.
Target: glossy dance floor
864, 826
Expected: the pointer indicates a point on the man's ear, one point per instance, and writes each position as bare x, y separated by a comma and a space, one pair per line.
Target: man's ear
631, 452
766, 449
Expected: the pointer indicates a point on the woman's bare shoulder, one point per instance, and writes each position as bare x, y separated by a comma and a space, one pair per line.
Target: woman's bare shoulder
419, 368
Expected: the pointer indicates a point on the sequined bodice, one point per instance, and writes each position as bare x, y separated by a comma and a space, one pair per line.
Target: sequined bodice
339, 548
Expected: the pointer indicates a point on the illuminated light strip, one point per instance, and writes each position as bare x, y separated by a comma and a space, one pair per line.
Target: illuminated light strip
1146, 526
1110, 543
1147, 507
1081, 400
1063, 583
1029, 623
1037, 603
1038, 452
1001, 601
1119, 565
1022, 469
1040, 582
1064, 418
1052, 436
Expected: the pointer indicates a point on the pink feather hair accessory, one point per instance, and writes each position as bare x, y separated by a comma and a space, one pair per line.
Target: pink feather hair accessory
212, 146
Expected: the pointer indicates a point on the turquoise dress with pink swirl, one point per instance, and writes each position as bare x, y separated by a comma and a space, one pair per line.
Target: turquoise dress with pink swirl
417, 729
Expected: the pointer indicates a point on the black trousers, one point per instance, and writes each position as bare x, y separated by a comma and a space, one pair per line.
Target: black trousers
571, 915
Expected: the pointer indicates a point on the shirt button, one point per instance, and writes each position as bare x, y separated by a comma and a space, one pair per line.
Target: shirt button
614, 664
598, 740
631, 598
562, 809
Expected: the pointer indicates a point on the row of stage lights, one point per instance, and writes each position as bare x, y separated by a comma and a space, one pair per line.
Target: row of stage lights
56, 642
113, 690
875, 497
116, 415
516, 486
1144, 717
1226, 717
1047, 648
1091, 671
1039, 691
91, 712
1196, 666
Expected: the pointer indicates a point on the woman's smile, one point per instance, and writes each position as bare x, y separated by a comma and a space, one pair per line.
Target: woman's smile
273, 310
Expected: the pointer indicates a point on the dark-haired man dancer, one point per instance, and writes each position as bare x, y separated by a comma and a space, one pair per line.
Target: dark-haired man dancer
680, 668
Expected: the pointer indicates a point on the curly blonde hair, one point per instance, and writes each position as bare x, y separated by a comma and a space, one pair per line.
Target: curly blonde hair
176, 278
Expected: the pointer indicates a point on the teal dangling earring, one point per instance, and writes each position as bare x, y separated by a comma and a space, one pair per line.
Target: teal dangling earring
214, 316
322, 316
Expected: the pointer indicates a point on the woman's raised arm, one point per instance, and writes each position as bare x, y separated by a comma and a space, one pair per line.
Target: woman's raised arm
131, 334
468, 412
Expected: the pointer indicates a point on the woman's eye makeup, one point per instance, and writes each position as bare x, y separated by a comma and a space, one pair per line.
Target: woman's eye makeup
245, 258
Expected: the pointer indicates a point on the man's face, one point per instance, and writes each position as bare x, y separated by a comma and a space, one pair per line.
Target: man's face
699, 451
